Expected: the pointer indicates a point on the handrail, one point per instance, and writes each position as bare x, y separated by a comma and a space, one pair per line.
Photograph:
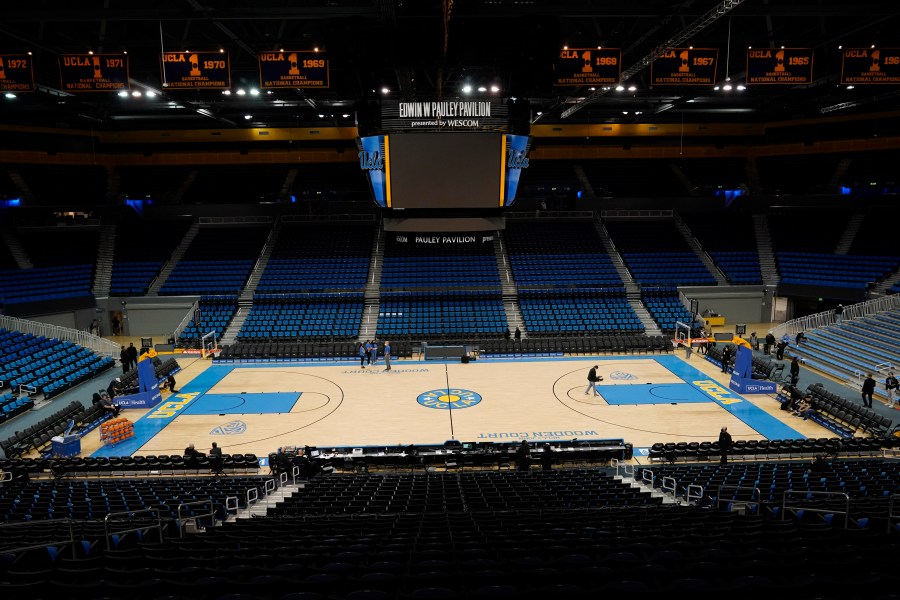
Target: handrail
93, 343
550, 214
823, 319
645, 479
131, 513
892, 501
231, 507
738, 488
186, 320
44, 543
669, 485
252, 497
624, 213
627, 469
695, 496
807, 493
180, 521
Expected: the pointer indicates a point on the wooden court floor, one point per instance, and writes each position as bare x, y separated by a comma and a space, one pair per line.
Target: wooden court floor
257, 408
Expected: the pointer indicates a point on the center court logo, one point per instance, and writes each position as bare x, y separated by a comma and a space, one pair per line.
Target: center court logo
230, 428
446, 399
622, 376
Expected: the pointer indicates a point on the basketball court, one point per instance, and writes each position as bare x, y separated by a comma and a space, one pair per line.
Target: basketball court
643, 399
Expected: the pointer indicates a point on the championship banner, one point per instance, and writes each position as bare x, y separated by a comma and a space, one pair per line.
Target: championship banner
93, 72
294, 69
196, 71
685, 66
588, 66
870, 65
16, 73
768, 66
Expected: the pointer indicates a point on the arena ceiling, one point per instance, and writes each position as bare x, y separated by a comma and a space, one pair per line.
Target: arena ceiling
430, 49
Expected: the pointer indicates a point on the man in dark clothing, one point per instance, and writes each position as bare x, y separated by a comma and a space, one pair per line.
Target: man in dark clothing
726, 356
507, 334
795, 370
868, 388
112, 390
547, 458
523, 456
133, 355
518, 334
779, 349
839, 313
125, 358
592, 378
724, 444
770, 343
216, 462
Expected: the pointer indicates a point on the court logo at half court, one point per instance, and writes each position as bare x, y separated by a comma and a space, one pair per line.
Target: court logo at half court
230, 428
446, 399
622, 376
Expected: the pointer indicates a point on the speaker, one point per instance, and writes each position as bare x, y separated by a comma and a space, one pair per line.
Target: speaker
464, 359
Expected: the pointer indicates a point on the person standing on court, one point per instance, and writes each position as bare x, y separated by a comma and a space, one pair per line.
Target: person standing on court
387, 355
373, 352
593, 379
868, 388
363, 353
726, 356
724, 444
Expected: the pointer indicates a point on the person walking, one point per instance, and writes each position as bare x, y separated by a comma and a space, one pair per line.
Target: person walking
891, 387
868, 388
593, 379
724, 444
387, 355
839, 313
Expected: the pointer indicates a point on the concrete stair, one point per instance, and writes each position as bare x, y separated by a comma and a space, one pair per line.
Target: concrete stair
767, 265
259, 268
632, 289
15, 248
372, 302
885, 284
234, 328
177, 254
584, 181
704, 257
508, 287
850, 231
276, 497
105, 256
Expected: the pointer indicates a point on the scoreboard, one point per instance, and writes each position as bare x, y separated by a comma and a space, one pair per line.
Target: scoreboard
447, 170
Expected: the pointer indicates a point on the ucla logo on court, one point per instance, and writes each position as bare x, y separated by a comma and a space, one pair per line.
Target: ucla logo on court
446, 399
621, 376
230, 428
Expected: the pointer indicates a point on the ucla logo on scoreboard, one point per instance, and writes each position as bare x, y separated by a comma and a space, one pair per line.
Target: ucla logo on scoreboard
230, 428
446, 399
